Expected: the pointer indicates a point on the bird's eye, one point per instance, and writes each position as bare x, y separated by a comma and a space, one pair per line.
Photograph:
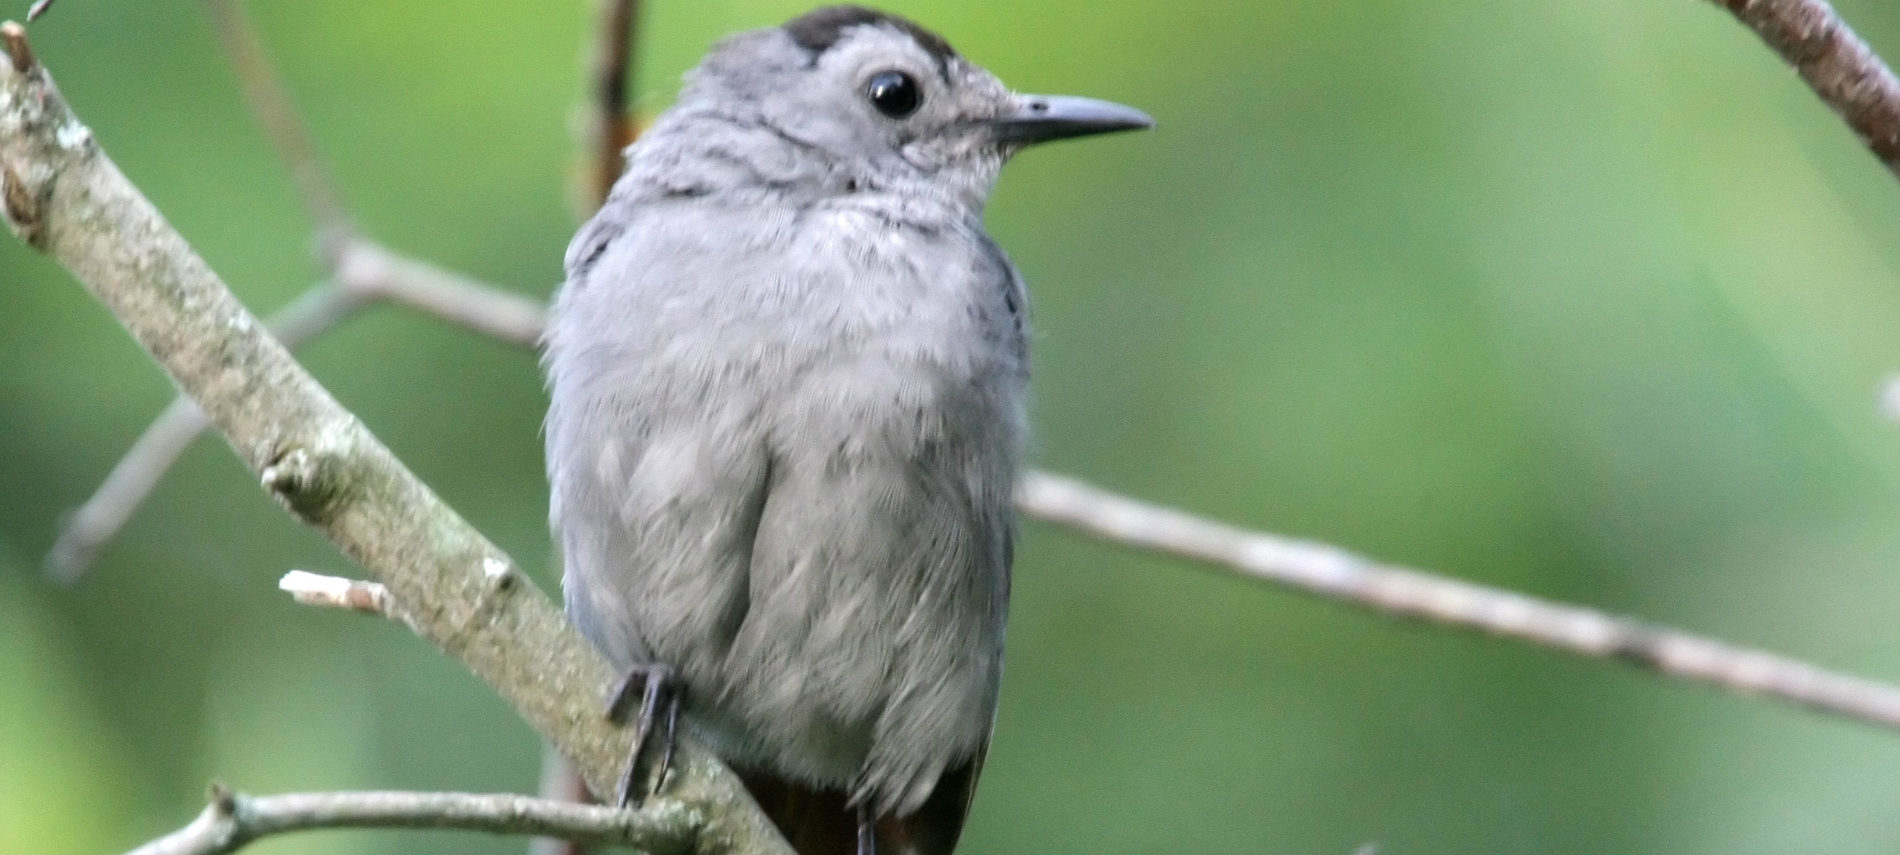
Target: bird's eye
894, 93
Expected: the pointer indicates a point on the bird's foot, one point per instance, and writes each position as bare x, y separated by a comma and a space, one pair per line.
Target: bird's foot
658, 692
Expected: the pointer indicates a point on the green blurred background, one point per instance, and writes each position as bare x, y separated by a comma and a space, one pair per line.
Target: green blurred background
1589, 299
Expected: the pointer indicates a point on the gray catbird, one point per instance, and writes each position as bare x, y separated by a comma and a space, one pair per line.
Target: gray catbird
787, 370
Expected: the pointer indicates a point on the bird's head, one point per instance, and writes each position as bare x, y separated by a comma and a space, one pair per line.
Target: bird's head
884, 103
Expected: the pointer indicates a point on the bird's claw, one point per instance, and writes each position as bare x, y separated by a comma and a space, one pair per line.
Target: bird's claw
659, 694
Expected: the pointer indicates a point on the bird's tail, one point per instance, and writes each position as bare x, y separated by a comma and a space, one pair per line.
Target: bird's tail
823, 822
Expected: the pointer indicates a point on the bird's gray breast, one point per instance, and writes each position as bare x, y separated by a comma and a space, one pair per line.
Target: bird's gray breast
782, 445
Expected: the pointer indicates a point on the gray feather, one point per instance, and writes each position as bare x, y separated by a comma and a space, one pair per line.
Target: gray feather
787, 372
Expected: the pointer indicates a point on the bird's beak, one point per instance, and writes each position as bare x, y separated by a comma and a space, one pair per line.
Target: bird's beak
1041, 118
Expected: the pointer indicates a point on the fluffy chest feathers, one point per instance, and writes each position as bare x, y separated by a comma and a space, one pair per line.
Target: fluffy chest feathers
782, 445
686, 298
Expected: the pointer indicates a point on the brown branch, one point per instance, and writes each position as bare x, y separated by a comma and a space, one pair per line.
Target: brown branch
611, 125
19, 53
62, 195
234, 820
267, 98
1836, 64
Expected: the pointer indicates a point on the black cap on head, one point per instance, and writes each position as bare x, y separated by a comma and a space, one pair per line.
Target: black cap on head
819, 29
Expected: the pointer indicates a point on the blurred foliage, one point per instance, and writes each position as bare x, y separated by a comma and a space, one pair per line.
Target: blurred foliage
1584, 298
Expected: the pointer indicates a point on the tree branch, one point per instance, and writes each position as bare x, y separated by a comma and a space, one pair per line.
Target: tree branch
268, 99
1335, 574
361, 272
611, 126
62, 195
1836, 64
336, 592
373, 273
365, 274
93, 524
233, 820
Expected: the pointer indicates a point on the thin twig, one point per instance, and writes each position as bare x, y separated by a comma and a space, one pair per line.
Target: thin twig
362, 272
611, 126
19, 51
63, 196
1335, 574
336, 592
233, 820
94, 524
366, 274
266, 95
1836, 64
88, 528
374, 273
560, 782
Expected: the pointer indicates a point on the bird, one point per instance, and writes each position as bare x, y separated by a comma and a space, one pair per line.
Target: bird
787, 372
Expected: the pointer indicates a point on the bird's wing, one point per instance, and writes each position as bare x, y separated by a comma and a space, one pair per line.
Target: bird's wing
656, 486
